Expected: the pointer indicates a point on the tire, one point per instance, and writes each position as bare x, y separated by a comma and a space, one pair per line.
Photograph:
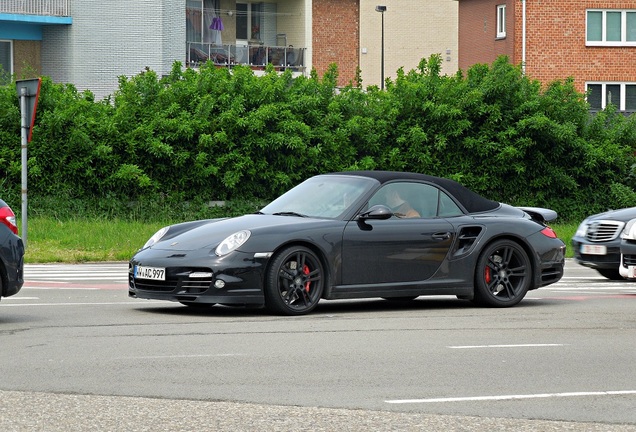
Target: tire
503, 274
611, 274
295, 281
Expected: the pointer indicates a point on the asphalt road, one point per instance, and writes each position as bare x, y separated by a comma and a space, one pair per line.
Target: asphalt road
77, 354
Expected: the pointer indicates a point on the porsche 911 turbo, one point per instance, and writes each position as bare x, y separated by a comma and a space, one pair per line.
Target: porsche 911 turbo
351, 235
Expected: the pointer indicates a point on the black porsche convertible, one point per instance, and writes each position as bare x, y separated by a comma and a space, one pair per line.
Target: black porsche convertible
351, 235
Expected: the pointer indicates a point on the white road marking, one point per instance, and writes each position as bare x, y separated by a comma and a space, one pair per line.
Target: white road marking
177, 356
60, 288
512, 397
68, 304
504, 346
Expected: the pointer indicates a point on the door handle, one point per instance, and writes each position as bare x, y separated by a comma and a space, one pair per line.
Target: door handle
442, 236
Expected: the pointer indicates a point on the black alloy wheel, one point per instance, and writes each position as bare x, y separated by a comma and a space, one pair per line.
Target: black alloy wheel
503, 274
295, 281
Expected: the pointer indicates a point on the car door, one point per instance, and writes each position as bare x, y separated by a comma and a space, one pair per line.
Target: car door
398, 250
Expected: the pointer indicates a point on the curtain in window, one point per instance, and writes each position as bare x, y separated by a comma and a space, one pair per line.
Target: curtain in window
193, 21
212, 24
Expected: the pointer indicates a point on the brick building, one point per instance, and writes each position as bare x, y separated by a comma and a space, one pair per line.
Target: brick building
594, 42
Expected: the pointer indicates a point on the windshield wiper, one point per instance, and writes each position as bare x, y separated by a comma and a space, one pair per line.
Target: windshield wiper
289, 213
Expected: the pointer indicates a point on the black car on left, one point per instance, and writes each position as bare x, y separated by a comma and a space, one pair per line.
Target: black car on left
11, 253
351, 235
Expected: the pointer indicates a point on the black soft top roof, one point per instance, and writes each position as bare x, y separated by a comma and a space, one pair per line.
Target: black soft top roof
471, 201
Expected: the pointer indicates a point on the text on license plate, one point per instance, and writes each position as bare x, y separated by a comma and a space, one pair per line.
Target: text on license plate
593, 249
154, 273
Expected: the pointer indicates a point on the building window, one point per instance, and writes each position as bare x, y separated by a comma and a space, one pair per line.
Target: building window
249, 21
610, 27
501, 21
6, 65
621, 95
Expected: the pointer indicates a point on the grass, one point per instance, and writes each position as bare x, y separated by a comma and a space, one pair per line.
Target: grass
51, 240
85, 240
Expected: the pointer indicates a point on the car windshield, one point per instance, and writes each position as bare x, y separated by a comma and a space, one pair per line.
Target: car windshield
327, 196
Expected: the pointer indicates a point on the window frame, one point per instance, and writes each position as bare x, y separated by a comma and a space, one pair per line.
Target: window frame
604, 84
604, 30
501, 21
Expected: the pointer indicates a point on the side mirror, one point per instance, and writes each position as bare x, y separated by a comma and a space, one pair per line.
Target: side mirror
377, 212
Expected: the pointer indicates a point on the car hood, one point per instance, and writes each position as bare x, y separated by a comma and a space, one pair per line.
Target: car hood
623, 215
210, 234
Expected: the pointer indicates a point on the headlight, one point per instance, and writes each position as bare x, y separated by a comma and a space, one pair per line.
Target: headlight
582, 229
156, 237
629, 233
232, 242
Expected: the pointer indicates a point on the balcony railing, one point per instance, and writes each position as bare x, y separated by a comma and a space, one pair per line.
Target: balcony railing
256, 56
61, 8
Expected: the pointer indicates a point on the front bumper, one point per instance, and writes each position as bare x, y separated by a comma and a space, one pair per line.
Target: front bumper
609, 260
195, 279
627, 267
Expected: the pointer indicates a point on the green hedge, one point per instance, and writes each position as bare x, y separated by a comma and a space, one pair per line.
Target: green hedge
216, 134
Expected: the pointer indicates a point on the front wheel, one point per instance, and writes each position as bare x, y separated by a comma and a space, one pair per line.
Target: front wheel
503, 274
295, 281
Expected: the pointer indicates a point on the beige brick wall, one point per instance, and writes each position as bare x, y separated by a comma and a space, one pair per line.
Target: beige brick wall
413, 29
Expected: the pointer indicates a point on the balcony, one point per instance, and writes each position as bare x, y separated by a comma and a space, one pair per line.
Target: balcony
58, 8
256, 56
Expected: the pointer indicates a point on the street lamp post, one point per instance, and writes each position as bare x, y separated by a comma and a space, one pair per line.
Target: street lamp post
381, 9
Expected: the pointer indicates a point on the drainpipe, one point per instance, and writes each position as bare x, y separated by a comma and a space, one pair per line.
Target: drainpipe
523, 37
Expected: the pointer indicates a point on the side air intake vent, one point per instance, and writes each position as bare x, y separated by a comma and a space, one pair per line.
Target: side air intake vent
466, 239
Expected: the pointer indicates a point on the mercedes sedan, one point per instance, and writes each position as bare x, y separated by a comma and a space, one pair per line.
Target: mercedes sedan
597, 242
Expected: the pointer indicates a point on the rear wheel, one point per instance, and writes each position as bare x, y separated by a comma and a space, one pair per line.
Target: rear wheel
503, 274
295, 281
611, 274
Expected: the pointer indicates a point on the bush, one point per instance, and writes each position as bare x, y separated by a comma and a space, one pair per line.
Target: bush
214, 134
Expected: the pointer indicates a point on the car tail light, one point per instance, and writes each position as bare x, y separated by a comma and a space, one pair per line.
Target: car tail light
548, 232
7, 217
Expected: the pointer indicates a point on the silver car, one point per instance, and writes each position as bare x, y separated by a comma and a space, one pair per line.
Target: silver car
597, 242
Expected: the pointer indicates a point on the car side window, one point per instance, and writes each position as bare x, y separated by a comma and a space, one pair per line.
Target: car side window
408, 199
447, 207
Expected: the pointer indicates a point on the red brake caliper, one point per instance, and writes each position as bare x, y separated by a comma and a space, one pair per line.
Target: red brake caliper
306, 272
487, 275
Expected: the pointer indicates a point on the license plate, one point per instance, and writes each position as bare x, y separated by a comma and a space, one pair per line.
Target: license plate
154, 273
593, 249
631, 272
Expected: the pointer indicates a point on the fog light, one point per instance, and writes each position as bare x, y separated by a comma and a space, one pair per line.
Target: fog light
219, 284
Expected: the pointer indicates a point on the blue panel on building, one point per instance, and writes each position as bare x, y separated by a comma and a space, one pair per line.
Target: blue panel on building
20, 31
